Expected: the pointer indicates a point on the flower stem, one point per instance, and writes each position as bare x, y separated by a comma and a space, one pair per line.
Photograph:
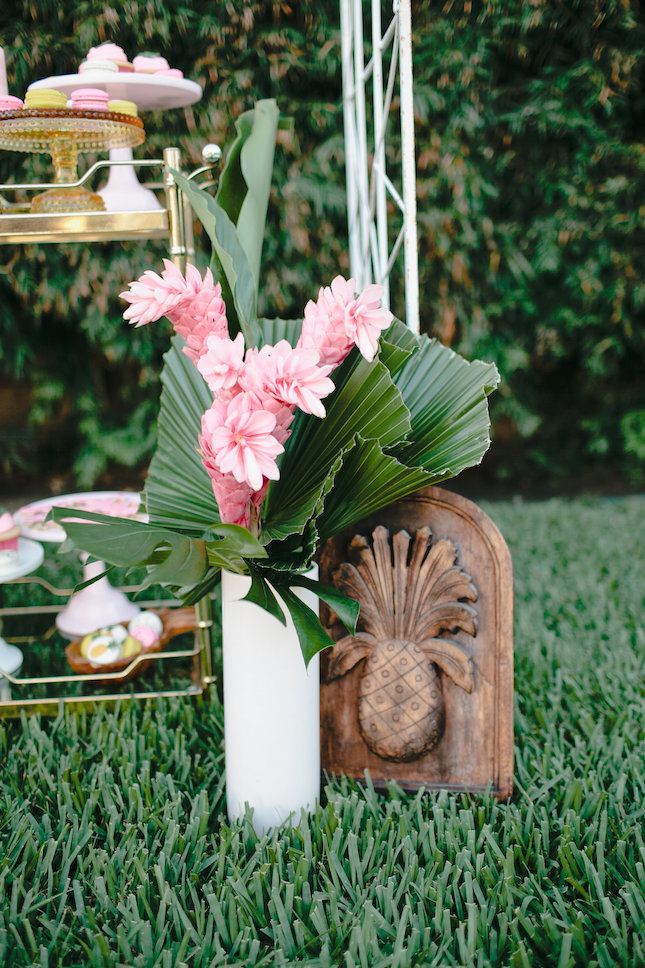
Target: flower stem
254, 523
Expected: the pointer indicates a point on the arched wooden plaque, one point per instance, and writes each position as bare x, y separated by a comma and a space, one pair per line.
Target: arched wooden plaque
423, 694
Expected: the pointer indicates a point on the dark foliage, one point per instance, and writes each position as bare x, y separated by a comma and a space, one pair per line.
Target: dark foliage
530, 205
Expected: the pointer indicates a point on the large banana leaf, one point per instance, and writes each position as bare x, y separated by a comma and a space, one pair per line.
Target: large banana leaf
178, 492
235, 218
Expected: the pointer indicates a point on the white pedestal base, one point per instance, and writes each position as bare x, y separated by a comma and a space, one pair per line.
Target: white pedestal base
123, 193
95, 606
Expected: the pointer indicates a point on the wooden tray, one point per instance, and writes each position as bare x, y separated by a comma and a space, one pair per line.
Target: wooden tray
175, 621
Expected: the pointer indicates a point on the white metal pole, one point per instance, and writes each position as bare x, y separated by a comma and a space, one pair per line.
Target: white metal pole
349, 123
408, 166
378, 167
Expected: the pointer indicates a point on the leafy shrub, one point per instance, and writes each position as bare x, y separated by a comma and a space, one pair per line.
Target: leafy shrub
530, 184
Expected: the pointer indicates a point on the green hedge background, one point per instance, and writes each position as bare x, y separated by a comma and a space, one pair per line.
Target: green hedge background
531, 181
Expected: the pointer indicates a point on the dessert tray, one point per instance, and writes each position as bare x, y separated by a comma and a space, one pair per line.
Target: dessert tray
30, 557
175, 622
63, 133
32, 517
150, 92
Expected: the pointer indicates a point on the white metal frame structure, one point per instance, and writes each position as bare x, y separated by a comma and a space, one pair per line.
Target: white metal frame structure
368, 183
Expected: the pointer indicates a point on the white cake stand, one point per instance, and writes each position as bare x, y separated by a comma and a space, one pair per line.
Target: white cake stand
150, 92
30, 557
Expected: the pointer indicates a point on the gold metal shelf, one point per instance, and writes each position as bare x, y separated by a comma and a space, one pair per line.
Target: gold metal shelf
84, 226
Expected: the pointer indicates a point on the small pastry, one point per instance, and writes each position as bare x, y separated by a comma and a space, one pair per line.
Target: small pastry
124, 107
89, 99
9, 534
149, 63
9, 103
146, 620
45, 98
98, 66
109, 52
171, 72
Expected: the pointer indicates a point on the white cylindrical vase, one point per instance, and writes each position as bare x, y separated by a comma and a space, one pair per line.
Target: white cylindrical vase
271, 710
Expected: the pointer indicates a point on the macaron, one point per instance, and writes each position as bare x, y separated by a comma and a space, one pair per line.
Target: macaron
89, 99
109, 52
100, 66
124, 107
146, 620
171, 72
43, 98
149, 63
9, 103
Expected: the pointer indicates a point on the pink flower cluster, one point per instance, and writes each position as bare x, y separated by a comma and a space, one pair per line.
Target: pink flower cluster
255, 393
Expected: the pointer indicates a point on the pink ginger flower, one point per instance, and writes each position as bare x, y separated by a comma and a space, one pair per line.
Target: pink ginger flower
291, 376
241, 440
323, 329
193, 305
233, 500
152, 296
220, 365
341, 315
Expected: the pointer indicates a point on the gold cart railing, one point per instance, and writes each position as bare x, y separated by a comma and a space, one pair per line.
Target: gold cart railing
18, 225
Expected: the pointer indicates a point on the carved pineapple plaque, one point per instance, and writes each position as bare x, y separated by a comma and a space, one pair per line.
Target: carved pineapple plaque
422, 694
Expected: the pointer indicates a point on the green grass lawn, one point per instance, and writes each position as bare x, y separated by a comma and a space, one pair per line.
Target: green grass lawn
115, 850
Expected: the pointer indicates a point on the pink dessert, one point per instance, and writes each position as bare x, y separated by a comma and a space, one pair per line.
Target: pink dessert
10, 103
89, 99
9, 534
171, 72
109, 52
150, 63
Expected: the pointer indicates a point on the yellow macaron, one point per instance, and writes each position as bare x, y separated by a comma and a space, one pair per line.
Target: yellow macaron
45, 97
123, 107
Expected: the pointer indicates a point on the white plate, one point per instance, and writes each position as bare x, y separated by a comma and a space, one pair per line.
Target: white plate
30, 557
118, 503
150, 92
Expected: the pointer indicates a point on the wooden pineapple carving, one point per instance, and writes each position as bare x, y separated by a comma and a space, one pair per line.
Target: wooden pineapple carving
410, 591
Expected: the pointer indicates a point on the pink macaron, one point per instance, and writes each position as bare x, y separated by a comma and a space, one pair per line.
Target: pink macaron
9, 103
89, 99
171, 72
109, 52
148, 63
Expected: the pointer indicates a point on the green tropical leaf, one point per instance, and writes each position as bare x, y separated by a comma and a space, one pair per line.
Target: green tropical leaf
397, 345
261, 593
446, 397
346, 609
173, 559
231, 257
231, 550
271, 331
365, 402
178, 492
311, 634
368, 480
256, 163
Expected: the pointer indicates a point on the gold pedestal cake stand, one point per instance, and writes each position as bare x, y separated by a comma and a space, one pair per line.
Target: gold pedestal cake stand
63, 134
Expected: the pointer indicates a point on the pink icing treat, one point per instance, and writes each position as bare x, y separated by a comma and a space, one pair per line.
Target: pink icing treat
145, 635
10, 103
111, 52
149, 63
89, 99
171, 72
9, 533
